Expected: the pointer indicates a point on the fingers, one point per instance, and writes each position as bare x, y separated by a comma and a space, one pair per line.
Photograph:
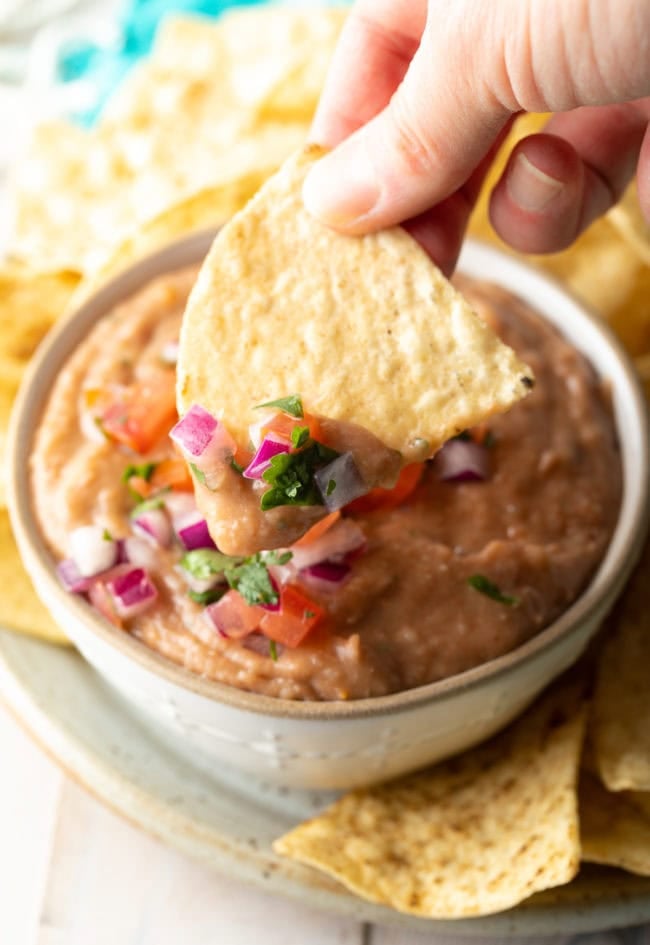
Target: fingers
377, 43
415, 152
643, 176
557, 183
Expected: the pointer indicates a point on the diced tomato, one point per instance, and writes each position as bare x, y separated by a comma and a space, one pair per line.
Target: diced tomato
283, 424
172, 473
138, 416
232, 617
297, 616
379, 498
322, 525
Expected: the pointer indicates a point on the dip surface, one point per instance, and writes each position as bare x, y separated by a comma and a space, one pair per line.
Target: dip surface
537, 527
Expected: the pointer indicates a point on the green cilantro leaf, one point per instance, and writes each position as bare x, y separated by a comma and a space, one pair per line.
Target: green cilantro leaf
291, 476
273, 651
236, 466
299, 436
482, 584
199, 475
331, 486
252, 579
106, 535
143, 471
207, 597
291, 405
156, 501
205, 563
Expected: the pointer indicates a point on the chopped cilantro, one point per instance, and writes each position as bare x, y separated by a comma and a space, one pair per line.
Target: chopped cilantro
99, 423
207, 597
291, 476
205, 563
291, 405
308, 614
273, 651
482, 584
106, 535
154, 502
143, 471
251, 578
199, 475
236, 466
299, 436
331, 486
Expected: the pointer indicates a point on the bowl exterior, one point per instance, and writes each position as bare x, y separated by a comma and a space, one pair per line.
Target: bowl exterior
339, 745
327, 754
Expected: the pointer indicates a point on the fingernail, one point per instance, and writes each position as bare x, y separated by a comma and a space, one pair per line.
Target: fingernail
341, 188
530, 188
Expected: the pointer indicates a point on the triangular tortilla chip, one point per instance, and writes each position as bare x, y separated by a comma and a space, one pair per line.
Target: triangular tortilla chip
614, 827
621, 710
366, 329
472, 836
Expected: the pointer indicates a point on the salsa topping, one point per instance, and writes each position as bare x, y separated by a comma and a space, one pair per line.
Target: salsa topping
482, 584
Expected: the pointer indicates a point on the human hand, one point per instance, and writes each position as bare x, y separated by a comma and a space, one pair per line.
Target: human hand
421, 94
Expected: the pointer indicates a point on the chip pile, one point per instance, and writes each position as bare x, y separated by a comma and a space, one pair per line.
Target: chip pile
238, 96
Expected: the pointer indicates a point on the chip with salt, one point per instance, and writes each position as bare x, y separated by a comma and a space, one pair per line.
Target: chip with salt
621, 709
366, 329
614, 827
471, 836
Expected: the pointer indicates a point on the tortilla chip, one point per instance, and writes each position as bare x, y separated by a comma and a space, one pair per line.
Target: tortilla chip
621, 709
469, 837
614, 828
21, 608
631, 224
29, 305
366, 329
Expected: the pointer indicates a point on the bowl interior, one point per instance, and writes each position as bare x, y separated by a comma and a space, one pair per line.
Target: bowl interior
583, 329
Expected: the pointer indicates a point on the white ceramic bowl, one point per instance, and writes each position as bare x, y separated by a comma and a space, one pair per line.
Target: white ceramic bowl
340, 745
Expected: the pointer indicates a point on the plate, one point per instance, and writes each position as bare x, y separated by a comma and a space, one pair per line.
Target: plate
228, 820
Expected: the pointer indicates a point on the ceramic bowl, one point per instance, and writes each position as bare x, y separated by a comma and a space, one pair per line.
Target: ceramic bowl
338, 745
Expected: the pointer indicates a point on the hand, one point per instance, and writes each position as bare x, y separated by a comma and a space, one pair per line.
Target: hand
420, 95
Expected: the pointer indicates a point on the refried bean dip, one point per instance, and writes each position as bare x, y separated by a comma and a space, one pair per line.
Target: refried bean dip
469, 556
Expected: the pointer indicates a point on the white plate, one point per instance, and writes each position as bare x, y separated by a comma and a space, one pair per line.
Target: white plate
227, 820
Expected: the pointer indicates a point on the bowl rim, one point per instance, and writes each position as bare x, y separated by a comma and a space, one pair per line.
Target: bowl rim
622, 552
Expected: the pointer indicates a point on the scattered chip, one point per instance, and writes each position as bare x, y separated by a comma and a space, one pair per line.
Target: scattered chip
21, 608
469, 837
614, 827
621, 709
283, 304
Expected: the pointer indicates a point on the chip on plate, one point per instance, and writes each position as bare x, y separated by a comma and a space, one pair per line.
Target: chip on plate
471, 836
621, 709
614, 827
365, 329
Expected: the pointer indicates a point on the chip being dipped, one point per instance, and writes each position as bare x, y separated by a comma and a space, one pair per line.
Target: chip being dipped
387, 359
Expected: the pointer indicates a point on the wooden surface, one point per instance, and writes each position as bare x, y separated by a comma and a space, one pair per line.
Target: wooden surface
74, 873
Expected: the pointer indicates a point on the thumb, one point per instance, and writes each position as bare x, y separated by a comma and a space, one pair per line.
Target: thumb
439, 124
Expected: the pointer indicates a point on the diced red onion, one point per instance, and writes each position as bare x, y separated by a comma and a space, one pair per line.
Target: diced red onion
230, 619
192, 531
91, 550
154, 526
340, 482
258, 643
140, 553
169, 353
462, 461
344, 537
326, 575
203, 440
71, 578
133, 592
271, 446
